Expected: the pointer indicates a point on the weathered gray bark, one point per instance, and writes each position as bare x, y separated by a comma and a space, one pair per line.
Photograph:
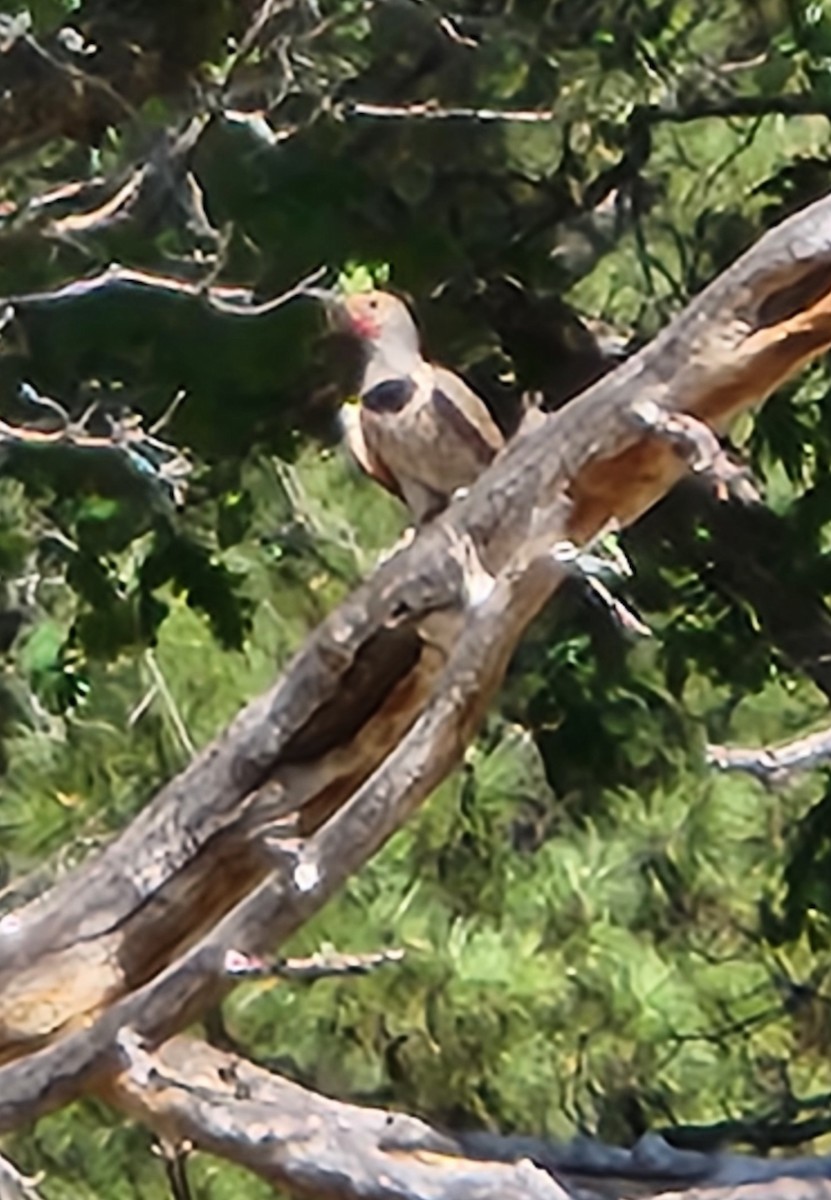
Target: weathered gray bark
311, 1145
311, 778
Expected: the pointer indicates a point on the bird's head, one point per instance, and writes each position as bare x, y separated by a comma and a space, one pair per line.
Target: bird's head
378, 319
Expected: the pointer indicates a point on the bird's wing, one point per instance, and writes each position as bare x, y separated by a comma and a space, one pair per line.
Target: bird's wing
390, 395
467, 413
353, 435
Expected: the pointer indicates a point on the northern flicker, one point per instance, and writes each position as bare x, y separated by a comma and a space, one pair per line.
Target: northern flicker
419, 430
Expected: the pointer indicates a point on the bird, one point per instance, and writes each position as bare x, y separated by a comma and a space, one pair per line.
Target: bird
418, 429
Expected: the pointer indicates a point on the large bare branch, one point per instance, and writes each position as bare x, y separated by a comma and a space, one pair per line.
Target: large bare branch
311, 778
304, 873
307, 1143
191, 1094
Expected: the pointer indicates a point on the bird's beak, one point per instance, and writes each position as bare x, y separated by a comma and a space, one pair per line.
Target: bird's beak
327, 295
333, 302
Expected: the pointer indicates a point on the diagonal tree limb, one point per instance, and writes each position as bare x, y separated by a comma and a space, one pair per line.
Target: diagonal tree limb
307, 1143
310, 779
304, 873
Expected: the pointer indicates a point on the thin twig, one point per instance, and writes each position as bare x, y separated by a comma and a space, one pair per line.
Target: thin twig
166, 695
324, 965
624, 616
432, 111
168, 413
257, 310
145, 454
237, 301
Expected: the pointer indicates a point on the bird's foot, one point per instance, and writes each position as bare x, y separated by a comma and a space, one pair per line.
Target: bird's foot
694, 442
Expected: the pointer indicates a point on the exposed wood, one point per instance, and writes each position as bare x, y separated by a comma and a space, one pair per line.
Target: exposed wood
311, 778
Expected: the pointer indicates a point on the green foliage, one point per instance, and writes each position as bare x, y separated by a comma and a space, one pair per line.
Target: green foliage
601, 934
362, 277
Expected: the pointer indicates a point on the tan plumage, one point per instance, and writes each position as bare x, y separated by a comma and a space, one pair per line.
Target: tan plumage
419, 430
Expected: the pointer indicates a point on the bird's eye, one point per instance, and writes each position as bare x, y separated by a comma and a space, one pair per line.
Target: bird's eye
373, 304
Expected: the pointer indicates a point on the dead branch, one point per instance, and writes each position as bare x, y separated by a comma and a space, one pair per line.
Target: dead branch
303, 872
435, 112
772, 764
304, 1142
222, 298
192, 1094
792, 104
161, 187
143, 454
311, 778
323, 965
